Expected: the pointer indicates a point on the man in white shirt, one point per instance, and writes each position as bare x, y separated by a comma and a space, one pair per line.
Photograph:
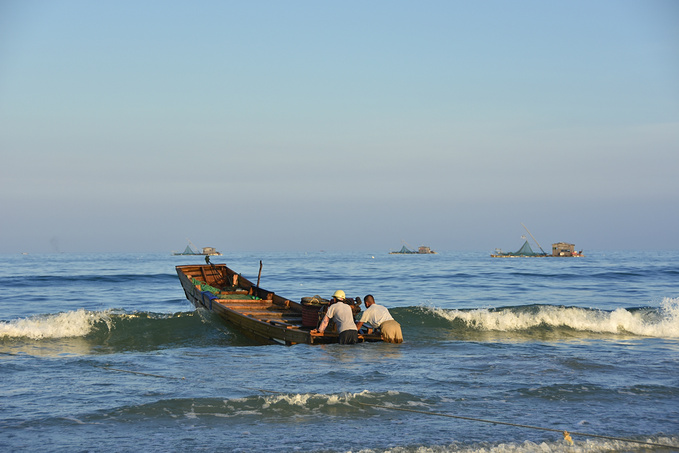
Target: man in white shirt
379, 318
343, 317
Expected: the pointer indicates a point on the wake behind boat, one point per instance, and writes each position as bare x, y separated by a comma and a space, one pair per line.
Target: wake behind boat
257, 313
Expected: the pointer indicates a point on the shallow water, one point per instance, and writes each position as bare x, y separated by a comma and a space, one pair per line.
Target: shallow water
103, 351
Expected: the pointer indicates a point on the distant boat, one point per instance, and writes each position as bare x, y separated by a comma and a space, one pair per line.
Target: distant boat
422, 250
526, 251
205, 251
561, 249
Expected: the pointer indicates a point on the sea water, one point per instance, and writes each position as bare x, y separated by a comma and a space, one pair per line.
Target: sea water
102, 352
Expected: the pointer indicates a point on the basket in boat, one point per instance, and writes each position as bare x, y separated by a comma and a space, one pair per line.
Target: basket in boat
311, 307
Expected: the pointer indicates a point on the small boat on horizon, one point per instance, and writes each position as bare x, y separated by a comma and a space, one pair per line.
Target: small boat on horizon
422, 250
559, 249
191, 249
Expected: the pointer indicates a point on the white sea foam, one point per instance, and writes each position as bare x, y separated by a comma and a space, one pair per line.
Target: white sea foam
76, 323
578, 446
301, 399
293, 400
662, 322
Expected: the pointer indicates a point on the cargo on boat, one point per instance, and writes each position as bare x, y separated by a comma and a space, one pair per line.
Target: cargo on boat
565, 249
255, 312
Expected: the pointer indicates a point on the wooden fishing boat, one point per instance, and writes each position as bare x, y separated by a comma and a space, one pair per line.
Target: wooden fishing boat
257, 313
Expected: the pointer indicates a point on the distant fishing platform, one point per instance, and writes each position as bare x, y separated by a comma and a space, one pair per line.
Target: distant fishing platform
422, 250
559, 249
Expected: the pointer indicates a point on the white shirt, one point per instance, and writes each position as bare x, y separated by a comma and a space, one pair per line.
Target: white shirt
375, 315
343, 316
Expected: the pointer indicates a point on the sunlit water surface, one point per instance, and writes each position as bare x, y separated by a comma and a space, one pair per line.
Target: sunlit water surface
103, 352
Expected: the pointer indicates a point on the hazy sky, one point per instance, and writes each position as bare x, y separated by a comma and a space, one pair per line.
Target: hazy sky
347, 125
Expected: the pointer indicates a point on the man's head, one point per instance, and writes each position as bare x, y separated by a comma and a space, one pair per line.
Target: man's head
339, 295
368, 300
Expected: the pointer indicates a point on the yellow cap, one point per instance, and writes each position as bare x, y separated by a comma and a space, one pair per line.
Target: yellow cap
339, 294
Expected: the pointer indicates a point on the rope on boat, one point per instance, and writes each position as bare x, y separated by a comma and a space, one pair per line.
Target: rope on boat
566, 434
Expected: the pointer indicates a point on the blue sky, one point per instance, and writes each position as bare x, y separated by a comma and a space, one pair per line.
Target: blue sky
304, 125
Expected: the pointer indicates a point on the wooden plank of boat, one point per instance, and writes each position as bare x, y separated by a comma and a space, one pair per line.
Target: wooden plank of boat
257, 313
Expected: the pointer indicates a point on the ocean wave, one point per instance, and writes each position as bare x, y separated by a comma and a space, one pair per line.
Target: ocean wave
323, 410
267, 403
36, 281
579, 446
661, 322
115, 326
78, 323
83, 332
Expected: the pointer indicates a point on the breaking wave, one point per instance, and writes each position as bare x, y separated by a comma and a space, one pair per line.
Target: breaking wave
78, 323
310, 413
660, 322
145, 329
110, 331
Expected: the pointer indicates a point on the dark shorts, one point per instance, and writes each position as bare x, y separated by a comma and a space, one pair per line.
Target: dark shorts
348, 337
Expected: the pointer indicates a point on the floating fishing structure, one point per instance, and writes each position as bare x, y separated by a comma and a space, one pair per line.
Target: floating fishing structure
422, 250
559, 249
191, 249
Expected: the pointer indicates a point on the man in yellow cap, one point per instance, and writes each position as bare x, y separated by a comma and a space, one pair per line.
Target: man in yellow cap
343, 317
379, 318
